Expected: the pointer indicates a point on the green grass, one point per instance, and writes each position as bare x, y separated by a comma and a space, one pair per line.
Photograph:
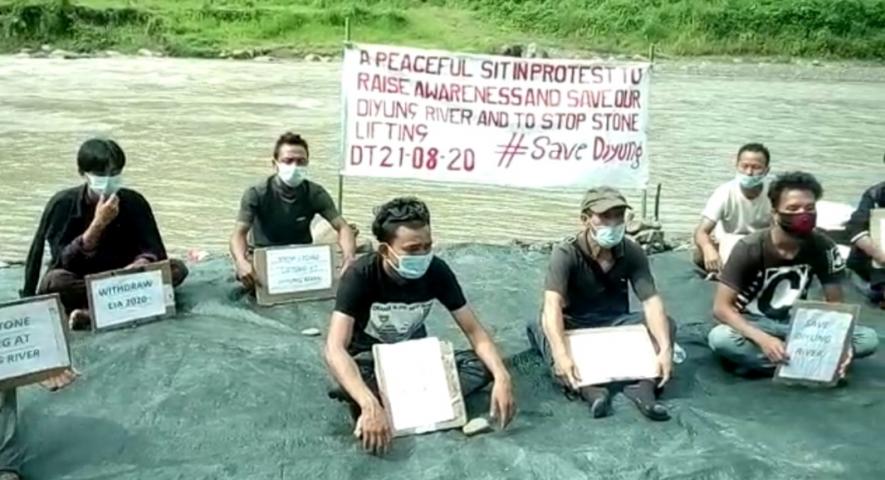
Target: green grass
819, 28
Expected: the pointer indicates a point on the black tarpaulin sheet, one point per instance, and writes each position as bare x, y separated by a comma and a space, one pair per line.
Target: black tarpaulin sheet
228, 390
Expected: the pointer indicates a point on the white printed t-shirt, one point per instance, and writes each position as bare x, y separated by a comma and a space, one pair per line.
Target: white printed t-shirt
388, 309
735, 214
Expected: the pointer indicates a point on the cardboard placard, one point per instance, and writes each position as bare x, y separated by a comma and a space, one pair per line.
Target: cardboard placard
419, 386
877, 231
612, 354
33, 341
820, 336
130, 296
296, 273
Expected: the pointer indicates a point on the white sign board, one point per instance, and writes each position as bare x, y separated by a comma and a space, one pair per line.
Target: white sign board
455, 117
415, 384
816, 344
610, 354
299, 269
123, 298
881, 234
32, 338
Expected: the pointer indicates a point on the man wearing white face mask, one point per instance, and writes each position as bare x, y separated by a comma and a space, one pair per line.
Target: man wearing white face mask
737, 208
278, 211
93, 228
586, 287
385, 298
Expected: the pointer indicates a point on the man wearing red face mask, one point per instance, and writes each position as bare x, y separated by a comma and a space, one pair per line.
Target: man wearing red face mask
768, 271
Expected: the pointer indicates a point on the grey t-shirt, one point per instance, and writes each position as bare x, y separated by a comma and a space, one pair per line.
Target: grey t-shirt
592, 297
281, 215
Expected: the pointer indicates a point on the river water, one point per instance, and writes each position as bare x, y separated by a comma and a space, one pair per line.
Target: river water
198, 132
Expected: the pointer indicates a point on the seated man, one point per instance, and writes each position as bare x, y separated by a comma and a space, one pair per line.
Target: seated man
863, 249
94, 228
738, 207
771, 269
11, 453
278, 211
586, 287
385, 297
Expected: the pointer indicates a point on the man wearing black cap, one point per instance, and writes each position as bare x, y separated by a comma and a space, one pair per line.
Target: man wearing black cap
586, 287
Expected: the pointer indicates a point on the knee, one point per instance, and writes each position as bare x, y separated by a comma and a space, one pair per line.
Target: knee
471, 367
179, 271
865, 341
56, 281
723, 339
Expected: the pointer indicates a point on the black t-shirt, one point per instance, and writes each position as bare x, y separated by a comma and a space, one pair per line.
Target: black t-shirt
281, 215
592, 297
768, 284
388, 309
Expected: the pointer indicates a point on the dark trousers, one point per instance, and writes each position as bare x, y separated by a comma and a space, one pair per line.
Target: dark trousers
862, 265
72, 287
472, 375
10, 451
540, 344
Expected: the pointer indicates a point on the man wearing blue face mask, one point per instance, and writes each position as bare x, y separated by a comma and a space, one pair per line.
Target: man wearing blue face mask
93, 228
737, 208
385, 297
278, 211
586, 287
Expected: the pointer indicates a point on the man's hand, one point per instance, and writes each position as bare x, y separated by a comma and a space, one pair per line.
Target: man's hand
566, 371
665, 366
773, 348
502, 405
346, 263
373, 429
246, 274
846, 361
106, 210
61, 380
139, 262
712, 261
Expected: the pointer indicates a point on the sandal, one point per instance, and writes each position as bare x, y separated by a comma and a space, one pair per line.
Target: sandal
642, 394
599, 400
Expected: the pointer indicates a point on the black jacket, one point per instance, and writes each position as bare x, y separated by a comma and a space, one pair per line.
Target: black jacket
859, 224
131, 235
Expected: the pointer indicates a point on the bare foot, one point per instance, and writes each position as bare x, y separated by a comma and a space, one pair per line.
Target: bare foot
79, 319
59, 381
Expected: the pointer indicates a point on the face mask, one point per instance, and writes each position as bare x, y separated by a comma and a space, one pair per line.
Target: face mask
291, 174
608, 237
797, 224
411, 267
104, 185
750, 181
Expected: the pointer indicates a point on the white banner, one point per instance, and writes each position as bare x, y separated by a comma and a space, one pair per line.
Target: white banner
453, 117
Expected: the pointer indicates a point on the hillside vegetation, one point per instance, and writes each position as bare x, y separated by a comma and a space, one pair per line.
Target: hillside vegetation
814, 28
